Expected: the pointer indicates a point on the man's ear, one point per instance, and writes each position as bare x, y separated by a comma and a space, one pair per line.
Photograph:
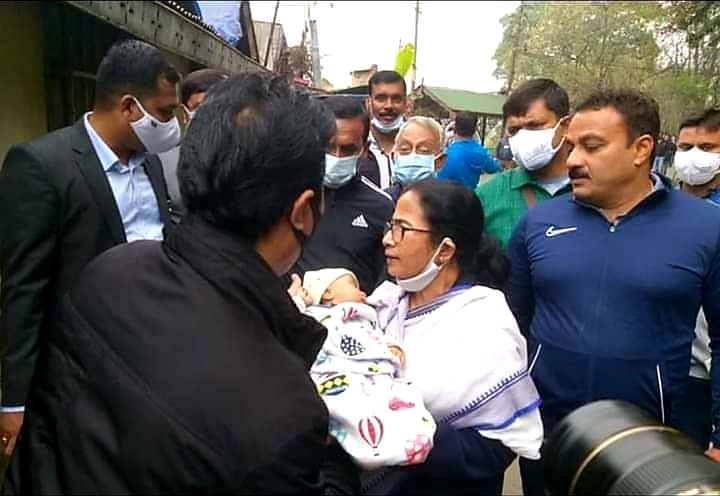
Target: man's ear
365, 148
440, 161
301, 215
368, 107
562, 129
643, 149
128, 107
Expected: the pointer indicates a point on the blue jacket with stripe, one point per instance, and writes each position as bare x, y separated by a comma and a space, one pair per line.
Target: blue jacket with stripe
609, 308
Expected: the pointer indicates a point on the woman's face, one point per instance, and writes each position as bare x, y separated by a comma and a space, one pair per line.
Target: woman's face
408, 246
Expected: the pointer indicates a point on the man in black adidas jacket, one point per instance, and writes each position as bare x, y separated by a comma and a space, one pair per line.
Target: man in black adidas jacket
356, 211
180, 367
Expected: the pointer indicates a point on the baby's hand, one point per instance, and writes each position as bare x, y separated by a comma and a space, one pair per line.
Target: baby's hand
296, 289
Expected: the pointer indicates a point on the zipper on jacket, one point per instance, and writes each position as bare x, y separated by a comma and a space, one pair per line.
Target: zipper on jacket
537, 355
660, 389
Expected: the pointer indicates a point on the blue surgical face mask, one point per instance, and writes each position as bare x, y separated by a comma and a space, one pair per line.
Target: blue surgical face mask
339, 170
413, 167
388, 128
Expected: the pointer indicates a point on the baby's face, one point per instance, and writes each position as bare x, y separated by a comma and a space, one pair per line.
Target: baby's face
345, 290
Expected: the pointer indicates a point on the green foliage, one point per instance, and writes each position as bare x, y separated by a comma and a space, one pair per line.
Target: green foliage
666, 49
404, 59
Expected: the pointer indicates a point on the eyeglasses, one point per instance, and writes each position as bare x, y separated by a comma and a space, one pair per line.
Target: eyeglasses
397, 230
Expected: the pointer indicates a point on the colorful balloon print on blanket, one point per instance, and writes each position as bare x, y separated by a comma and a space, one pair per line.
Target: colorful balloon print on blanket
351, 346
371, 431
333, 385
398, 404
417, 450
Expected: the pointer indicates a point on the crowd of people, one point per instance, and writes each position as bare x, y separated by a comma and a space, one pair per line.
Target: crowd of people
220, 283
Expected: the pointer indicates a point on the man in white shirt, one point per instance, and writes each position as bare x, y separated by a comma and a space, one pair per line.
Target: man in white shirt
387, 104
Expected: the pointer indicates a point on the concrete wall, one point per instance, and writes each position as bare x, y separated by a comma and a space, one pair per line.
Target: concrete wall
22, 83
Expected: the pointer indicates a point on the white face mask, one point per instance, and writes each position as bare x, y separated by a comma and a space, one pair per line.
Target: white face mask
388, 128
190, 113
156, 136
533, 149
696, 167
339, 170
426, 276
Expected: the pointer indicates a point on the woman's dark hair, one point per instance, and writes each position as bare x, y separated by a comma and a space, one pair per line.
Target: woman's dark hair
255, 144
453, 211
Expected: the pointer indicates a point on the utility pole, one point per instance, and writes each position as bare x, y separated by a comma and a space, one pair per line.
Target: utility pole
414, 64
315, 54
272, 29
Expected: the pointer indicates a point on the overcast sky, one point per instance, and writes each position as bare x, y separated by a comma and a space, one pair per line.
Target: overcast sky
456, 40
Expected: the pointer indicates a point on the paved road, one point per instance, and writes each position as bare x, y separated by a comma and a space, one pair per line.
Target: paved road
513, 486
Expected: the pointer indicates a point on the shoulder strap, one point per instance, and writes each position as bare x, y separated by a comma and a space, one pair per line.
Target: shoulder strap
529, 196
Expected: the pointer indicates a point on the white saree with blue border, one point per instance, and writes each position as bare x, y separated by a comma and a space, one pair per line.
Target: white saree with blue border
465, 353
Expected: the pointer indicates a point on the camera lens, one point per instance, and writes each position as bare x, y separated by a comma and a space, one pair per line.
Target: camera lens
613, 447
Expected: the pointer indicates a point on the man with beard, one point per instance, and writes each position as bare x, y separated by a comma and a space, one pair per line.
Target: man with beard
386, 104
608, 305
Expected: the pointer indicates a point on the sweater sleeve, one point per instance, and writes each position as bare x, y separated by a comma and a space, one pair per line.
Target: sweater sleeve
464, 454
711, 307
490, 165
520, 294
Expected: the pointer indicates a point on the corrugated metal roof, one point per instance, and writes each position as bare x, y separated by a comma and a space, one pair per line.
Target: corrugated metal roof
457, 100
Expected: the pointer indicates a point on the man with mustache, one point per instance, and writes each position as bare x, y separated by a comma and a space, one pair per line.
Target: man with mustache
608, 305
387, 105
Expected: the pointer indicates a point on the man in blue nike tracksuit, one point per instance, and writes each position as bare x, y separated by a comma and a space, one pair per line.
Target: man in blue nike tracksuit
607, 284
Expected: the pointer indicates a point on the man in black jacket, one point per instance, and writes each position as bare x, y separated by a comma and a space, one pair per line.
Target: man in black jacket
182, 367
356, 211
72, 194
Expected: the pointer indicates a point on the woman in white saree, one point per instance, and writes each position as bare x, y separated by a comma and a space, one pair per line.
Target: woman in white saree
462, 345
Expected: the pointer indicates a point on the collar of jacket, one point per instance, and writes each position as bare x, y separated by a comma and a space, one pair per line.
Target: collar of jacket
232, 265
661, 187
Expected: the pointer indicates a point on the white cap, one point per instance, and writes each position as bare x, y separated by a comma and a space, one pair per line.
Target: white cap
317, 281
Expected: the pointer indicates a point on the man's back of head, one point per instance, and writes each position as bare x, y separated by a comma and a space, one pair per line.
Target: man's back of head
253, 147
465, 124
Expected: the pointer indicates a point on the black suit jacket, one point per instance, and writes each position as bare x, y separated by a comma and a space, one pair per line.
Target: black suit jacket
57, 213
